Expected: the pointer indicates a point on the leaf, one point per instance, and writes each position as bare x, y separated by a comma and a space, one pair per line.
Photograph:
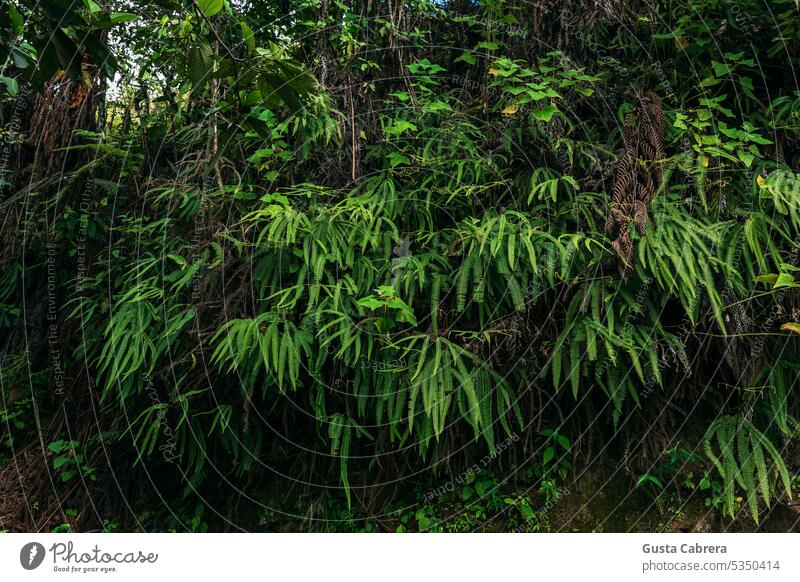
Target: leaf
785, 280
488, 45
746, 157
56, 446
16, 19
792, 327
437, 106
399, 126
101, 55
249, 37
210, 7
178, 259
396, 159
11, 85
200, 60
371, 302
466, 57
118, 17
64, 53
546, 113
649, 479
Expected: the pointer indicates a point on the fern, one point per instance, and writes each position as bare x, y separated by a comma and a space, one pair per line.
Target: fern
745, 457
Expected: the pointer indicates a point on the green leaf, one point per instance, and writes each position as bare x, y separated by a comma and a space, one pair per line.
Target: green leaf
396, 159
93, 6
370, 302
466, 57
200, 63
16, 19
210, 7
399, 126
56, 446
118, 17
768, 279
785, 280
488, 45
101, 55
437, 106
546, 113
11, 85
746, 157
249, 37
649, 479
721, 69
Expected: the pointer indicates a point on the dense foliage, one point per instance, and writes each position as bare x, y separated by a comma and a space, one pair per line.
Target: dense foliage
391, 265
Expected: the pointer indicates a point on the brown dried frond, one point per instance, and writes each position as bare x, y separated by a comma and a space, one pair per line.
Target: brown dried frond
623, 246
638, 174
623, 188
610, 223
647, 187
655, 111
648, 151
640, 216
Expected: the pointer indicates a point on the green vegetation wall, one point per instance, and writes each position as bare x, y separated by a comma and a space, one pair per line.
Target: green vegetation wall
392, 265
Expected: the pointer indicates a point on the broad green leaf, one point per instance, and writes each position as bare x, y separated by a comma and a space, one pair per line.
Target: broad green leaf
11, 85
210, 7
545, 113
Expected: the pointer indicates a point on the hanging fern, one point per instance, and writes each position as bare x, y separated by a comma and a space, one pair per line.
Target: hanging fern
745, 457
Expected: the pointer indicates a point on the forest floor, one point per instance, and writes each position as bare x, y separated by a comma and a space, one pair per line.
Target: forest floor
603, 502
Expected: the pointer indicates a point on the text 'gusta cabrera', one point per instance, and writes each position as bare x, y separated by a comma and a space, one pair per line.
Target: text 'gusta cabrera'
684, 549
